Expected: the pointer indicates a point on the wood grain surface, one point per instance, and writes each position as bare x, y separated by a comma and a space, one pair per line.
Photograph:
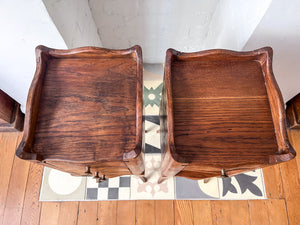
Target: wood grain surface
49, 213
221, 113
11, 117
274, 206
84, 109
183, 212
16, 191
293, 112
87, 213
107, 212
164, 212
145, 212
258, 211
273, 182
126, 212
221, 212
8, 142
87, 104
32, 206
202, 212
68, 213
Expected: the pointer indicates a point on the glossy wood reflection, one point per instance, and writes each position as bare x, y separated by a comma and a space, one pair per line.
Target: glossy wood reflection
221, 114
84, 110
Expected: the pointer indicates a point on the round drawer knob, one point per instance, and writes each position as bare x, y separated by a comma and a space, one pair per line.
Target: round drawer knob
88, 171
96, 176
223, 174
100, 179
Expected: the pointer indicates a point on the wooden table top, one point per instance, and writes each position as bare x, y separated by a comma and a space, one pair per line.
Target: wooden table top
89, 105
222, 109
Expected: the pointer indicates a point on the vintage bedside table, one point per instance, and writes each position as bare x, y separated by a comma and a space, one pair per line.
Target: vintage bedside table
84, 112
221, 114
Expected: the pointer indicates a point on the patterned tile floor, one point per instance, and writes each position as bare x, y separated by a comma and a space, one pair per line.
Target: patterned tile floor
60, 186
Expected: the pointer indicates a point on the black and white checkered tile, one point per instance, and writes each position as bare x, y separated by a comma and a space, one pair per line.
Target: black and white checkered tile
117, 188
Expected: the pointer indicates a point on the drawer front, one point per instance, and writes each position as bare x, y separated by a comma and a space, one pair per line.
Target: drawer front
109, 169
202, 172
198, 175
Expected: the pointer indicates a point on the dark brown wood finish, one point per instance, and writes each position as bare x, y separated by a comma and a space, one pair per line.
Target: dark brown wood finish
11, 117
293, 112
84, 111
221, 114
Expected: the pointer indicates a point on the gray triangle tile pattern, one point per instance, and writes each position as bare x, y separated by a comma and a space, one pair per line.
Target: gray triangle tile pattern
152, 119
55, 184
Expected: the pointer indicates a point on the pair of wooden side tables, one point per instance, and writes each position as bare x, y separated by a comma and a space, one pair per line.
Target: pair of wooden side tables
221, 113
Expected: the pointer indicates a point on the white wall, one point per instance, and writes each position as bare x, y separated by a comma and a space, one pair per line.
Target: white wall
190, 25
233, 23
74, 21
24, 25
156, 25
280, 29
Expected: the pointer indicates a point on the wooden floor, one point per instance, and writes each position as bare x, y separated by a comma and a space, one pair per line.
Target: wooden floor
20, 185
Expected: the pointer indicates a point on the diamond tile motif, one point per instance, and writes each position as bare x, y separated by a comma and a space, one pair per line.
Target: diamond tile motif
150, 189
152, 95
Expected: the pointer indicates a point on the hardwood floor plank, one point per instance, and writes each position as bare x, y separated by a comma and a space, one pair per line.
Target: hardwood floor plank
145, 212
291, 182
17, 184
293, 208
202, 212
12, 216
24, 201
126, 212
277, 212
290, 177
183, 212
87, 213
68, 213
16, 191
273, 183
292, 190
49, 213
239, 213
221, 212
294, 137
164, 212
258, 212
32, 206
8, 142
107, 212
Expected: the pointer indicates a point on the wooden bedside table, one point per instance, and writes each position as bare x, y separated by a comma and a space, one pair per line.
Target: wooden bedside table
84, 112
221, 114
